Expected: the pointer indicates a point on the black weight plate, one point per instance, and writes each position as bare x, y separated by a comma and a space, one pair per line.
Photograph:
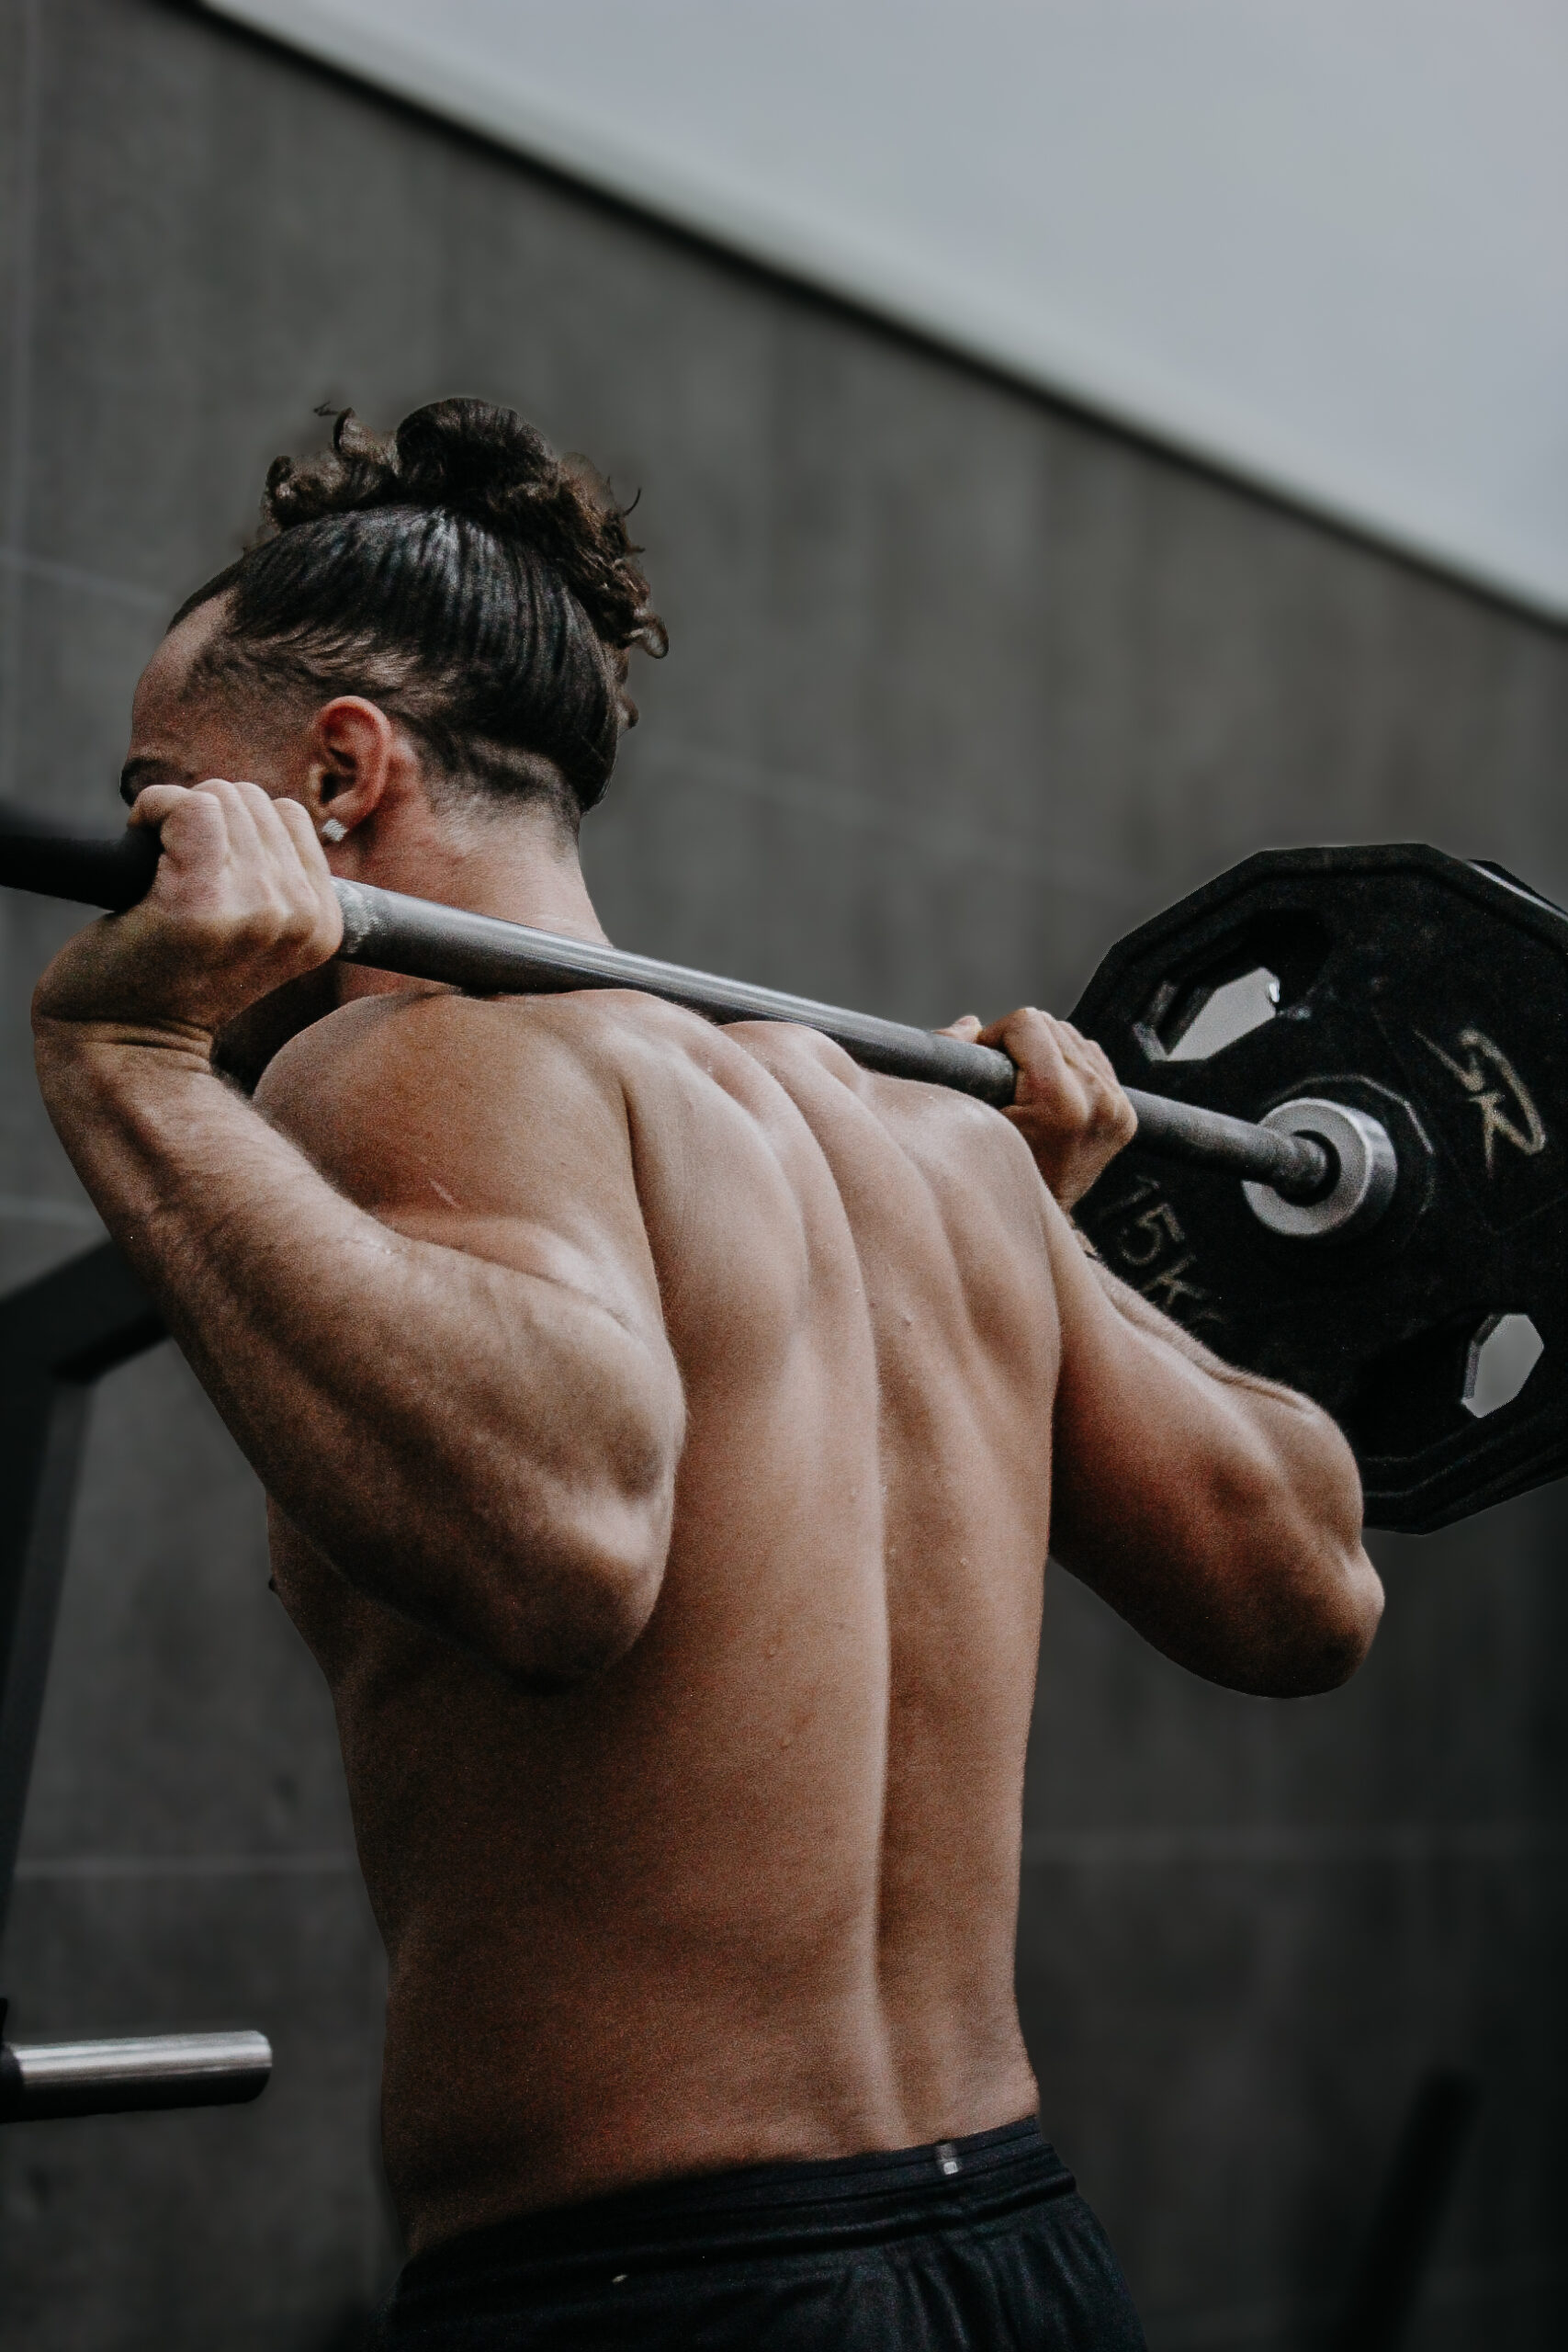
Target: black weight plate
1433, 993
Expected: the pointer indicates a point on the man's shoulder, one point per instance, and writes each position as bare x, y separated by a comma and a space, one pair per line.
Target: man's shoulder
910, 1159
945, 1133
463, 1118
438, 1039
553, 1088
435, 1064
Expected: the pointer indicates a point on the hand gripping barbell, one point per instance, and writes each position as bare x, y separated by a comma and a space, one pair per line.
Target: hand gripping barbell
430, 941
1374, 1040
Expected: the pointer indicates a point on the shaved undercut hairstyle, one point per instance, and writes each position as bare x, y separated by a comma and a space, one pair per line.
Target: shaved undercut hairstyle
479, 589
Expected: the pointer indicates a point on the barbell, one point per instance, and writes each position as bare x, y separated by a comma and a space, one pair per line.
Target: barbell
44, 2080
1374, 1041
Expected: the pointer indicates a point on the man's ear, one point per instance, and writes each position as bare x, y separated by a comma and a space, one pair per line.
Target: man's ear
353, 759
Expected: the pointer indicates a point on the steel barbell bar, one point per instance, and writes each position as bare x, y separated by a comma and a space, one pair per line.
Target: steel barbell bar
44, 2080
421, 939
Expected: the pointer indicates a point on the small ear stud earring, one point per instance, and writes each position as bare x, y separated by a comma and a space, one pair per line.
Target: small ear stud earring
333, 830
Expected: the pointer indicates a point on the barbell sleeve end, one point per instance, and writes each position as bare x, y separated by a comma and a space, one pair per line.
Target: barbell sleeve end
46, 2080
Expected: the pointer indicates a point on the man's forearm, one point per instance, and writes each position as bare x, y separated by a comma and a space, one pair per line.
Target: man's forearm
416, 1411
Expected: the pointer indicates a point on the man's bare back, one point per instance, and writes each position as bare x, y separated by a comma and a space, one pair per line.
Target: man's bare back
664, 1430
751, 1892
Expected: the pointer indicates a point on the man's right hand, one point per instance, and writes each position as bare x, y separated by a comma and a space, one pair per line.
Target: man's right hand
1068, 1104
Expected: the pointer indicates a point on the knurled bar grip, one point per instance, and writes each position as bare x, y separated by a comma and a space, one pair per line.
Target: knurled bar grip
44, 2079
424, 940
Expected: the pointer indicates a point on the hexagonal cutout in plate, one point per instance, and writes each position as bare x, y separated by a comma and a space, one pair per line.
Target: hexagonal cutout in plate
1202, 1023
1503, 1354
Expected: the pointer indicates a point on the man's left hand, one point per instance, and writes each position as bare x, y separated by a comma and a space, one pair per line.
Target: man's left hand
1068, 1104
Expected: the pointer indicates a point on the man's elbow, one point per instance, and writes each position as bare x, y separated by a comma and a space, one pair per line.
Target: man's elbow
586, 1551
1326, 1597
582, 1602
1318, 1599
1333, 1626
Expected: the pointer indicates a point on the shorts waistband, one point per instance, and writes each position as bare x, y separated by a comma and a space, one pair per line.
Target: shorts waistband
756, 2210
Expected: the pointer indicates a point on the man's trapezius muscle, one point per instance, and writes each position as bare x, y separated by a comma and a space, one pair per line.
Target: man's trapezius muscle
664, 1429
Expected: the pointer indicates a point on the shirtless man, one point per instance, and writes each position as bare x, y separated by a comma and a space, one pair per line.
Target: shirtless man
664, 1426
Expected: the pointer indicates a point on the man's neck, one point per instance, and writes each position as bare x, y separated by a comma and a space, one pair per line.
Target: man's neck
520, 864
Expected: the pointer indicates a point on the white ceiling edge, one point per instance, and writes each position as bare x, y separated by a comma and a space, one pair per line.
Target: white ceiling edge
1057, 357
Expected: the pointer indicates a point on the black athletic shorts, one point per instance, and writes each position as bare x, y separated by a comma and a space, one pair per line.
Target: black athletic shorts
974, 2245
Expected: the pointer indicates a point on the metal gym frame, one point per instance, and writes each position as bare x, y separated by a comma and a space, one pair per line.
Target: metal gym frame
58, 1336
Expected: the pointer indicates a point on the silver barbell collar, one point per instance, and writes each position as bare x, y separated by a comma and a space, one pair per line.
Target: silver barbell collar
1366, 1172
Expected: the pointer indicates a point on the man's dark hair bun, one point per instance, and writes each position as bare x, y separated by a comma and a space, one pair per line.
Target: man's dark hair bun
468, 457
481, 589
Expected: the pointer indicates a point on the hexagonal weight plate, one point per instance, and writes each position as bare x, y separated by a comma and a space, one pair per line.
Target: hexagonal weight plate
1434, 994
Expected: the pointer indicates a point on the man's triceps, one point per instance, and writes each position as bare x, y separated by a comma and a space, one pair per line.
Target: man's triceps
525, 1368
1219, 1513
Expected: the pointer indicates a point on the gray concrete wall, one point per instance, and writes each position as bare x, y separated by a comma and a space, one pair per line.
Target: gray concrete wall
961, 687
